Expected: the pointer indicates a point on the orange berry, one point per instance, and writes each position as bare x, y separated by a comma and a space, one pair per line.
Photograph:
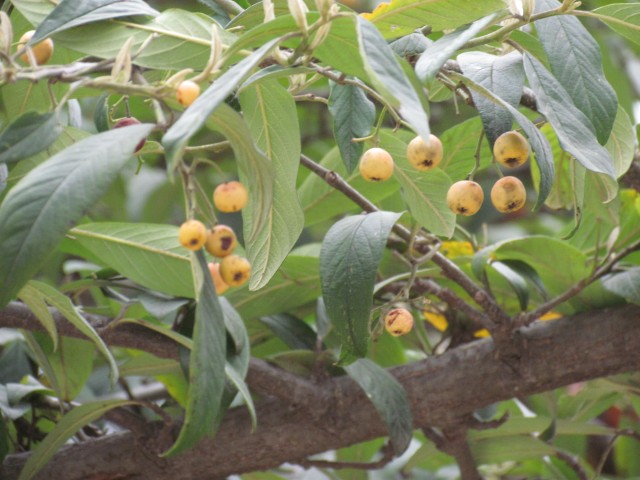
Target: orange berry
398, 321
235, 270
508, 195
221, 241
230, 197
187, 92
511, 149
42, 51
376, 165
425, 156
218, 282
465, 197
192, 234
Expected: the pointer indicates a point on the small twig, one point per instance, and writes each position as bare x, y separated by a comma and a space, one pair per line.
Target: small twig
573, 463
453, 441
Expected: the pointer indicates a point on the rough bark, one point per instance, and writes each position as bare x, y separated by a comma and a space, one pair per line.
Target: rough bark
334, 414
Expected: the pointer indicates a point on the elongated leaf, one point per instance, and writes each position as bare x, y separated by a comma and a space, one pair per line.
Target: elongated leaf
442, 49
625, 284
148, 254
353, 115
576, 62
37, 212
575, 131
460, 144
69, 13
238, 382
28, 135
206, 364
255, 169
195, 116
351, 252
389, 397
297, 334
515, 280
161, 329
33, 299
270, 112
497, 74
621, 143
64, 429
624, 18
514, 448
400, 17
389, 78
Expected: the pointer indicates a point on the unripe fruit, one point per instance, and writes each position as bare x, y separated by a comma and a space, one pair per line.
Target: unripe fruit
425, 156
235, 270
221, 241
187, 92
230, 197
192, 234
42, 51
398, 321
511, 149
218, 282
508, 194
465, 197
125, 122
376, 165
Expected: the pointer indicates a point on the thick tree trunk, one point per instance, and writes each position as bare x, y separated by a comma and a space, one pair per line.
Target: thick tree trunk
319, 417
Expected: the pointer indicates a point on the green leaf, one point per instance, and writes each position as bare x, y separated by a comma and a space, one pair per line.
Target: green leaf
621, 143
460, 143
625, 284
528, 273
436, 54
351, 252
389, 397
37, 212
575, 131
623, 18
388, 77
33, 299
206, 364
194, 117
509, 449
148, 254
255, 169
270, 112
297, 334
353, 116
69, 13
401, 17
27, 135
503, 74
576, 62
68, 425
515, 280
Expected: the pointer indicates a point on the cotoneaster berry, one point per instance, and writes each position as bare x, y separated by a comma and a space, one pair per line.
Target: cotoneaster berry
398, 321
425, 156
187, 92
511, 149
230, 197
235, 270
508, 195
221, 241
218, 282
42, 51
465, 197
376, 165
192, 234
125, 122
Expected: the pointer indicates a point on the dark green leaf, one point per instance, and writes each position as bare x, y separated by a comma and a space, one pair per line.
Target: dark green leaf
101, 113
497, 74
353, 116
351, 252
626, 284
624, 18
37, 212
515, 280
292, 331
196, 115
71, 13
528, 273
576, 62
28, 135
575, 130
389, 397
206, 364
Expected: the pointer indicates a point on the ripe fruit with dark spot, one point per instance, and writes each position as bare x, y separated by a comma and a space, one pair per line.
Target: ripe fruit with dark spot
235, 270
398, 321
508, 195
218, 282
221, 241
192, 234
42, 51
465, 197
187, 92
125, 122
230, 197
511, 149
376, 165
425, 156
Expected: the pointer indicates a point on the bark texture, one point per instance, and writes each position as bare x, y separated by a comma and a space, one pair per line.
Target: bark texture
297, 418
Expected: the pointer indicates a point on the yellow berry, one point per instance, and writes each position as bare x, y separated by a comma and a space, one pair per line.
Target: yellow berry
465, 197
192, 234
508, 195
376, 165
425, 156
187, 92
42, 51
235, 270
511, 149
230, 197
221, 241
218, 282
398, 321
